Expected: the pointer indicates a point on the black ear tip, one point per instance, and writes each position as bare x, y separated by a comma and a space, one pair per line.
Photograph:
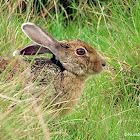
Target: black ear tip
23, 52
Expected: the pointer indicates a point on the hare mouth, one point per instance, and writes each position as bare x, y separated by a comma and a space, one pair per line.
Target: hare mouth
58, 63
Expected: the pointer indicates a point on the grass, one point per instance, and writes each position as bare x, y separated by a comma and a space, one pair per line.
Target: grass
108, 108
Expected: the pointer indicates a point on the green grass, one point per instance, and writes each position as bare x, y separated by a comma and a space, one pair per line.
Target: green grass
108, 108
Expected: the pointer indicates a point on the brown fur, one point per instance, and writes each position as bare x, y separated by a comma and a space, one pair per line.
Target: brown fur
59, 80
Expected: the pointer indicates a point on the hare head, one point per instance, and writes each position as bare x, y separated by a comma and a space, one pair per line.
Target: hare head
75, 56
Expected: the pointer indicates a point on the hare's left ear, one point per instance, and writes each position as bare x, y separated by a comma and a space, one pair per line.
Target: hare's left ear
43, 38
33, 49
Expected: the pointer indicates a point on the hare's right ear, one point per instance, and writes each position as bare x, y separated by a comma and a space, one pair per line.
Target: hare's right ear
41, 37
33, 49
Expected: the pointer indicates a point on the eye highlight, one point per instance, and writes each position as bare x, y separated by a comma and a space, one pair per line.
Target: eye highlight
80, 51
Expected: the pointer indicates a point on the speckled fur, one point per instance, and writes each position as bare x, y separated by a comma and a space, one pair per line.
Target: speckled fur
58, 80
63, 87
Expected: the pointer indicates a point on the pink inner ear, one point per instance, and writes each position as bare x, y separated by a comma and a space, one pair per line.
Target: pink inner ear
33, 49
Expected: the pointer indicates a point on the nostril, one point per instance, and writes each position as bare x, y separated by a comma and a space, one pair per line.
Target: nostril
104, 64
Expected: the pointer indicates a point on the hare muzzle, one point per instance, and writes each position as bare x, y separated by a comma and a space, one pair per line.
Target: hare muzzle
98, 65
103, 62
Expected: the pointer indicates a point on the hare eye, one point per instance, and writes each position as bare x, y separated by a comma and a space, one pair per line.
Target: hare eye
80, 51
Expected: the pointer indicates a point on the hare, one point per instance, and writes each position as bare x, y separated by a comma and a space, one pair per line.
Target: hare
58, 80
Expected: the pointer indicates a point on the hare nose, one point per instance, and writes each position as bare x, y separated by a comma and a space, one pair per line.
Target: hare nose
103, 63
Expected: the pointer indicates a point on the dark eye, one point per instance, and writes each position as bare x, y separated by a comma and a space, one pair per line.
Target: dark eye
80, 51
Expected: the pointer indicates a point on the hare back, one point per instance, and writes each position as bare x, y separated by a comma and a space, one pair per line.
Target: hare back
11, 67
43, 69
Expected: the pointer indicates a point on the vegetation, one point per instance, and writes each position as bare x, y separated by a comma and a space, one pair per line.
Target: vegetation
109, 106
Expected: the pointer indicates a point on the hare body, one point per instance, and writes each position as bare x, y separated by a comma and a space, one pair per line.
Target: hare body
62, 87
58, 80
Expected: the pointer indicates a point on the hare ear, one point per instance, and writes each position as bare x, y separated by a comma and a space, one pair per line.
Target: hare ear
41, 37
33, 49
